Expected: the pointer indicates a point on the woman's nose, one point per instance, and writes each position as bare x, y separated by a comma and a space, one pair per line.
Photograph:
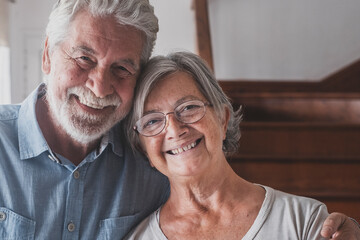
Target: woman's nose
174, 128
100, 82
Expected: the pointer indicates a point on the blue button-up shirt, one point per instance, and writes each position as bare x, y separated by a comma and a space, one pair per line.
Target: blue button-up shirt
45, 196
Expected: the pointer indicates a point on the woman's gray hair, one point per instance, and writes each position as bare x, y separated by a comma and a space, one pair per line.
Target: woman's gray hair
136, 13
161, 66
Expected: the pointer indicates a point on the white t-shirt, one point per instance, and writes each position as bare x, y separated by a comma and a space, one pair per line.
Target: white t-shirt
282, 216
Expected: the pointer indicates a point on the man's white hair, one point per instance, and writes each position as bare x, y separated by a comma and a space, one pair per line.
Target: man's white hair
136, 13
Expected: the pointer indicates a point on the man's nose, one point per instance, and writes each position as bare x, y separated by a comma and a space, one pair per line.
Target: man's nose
100, 82
174, 128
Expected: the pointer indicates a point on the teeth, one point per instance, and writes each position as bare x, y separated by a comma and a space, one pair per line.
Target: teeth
183, 149
91, 104
88, 98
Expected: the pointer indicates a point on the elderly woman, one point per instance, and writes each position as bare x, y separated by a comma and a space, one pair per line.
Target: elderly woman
186, 126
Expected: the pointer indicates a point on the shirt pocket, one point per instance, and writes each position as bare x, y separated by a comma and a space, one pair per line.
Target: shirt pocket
117, 228
15, 227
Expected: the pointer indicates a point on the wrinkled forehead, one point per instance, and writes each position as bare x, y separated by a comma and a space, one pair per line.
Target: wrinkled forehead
172, 90
106, 26
104, 37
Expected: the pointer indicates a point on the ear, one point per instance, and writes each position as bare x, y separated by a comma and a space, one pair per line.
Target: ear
46, 64
225, 121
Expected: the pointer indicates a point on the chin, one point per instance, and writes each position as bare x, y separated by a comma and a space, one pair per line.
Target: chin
82, 127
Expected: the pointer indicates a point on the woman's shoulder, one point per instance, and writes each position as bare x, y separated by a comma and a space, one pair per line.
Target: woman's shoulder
292, 201
289, 216
148, 229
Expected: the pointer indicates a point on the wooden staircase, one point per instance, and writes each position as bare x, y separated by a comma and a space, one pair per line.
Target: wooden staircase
299, 137
302, 138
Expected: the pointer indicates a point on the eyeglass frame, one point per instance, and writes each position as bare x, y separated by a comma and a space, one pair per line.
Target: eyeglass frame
204, 105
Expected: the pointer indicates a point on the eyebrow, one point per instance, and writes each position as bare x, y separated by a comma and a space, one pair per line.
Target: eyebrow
82, 48
130, 62
177, 103
185, 99
90, 51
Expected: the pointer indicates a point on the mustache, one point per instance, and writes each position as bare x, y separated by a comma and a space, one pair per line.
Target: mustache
88, 98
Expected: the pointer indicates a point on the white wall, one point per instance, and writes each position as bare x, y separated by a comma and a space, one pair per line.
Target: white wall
4, 53
177, 32
278, 39
5, 97
28, 20
176, 26
4, 22
283, 39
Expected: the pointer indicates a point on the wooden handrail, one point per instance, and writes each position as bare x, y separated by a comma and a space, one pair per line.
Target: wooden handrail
203, 31
345, 80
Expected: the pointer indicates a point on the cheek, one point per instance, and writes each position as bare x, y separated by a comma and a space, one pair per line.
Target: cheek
152, 146
215, 136
66, 75
125, 90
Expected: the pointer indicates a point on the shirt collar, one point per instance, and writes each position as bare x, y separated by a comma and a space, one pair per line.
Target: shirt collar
116, 138
32, 142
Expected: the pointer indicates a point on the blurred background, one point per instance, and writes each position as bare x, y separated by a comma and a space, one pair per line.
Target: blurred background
294, 66
251, 39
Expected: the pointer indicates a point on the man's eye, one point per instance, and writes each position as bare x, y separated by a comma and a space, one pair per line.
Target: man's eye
84, 62
121, 72
84, 58
121, 68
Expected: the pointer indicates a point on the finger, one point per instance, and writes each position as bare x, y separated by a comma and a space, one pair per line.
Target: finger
332, 223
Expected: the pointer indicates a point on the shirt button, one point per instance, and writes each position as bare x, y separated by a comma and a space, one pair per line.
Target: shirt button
71, 227
76, 174
2, 216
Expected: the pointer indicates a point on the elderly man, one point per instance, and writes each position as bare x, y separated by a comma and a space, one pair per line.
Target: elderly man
66, 171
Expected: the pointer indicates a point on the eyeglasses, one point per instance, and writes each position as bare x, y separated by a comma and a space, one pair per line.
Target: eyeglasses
188, 112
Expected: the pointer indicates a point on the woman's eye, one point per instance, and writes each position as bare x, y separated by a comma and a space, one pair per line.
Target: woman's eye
151, 123
192, 107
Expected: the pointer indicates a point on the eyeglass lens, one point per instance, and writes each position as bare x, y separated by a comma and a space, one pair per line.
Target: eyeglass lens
187, 112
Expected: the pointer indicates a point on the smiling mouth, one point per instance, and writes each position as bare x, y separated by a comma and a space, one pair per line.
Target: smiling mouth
185, 148
89, 104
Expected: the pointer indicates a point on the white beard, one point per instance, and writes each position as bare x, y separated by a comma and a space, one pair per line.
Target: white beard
78, 124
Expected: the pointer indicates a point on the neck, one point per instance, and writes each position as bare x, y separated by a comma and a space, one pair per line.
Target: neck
58, 140
213, 191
